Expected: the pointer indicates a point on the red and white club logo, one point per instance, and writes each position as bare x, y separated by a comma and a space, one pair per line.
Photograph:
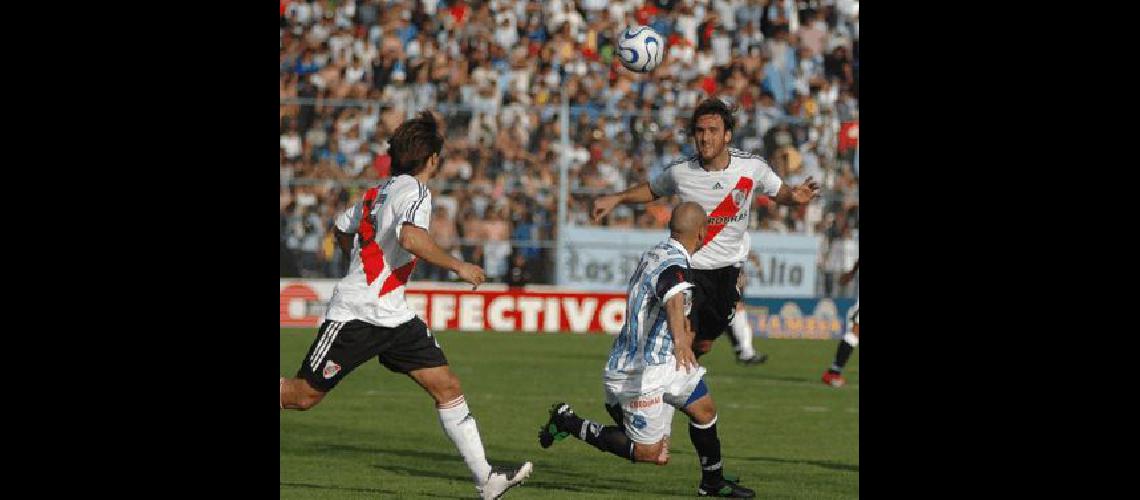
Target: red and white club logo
331, 369
739, 196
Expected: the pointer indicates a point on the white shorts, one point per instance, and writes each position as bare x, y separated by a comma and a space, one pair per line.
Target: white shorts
853, 317
648, 400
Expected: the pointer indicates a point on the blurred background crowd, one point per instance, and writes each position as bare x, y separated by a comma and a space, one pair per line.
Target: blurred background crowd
496, 73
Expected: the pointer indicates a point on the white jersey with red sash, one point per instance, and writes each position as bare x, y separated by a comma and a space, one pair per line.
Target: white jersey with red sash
373, 289
725, 195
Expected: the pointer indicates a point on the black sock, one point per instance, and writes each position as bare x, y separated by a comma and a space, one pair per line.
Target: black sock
615, 413
841, 356
708, 450
607, 438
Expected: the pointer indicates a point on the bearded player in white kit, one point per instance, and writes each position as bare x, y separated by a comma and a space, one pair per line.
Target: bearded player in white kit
722, 181
368, 317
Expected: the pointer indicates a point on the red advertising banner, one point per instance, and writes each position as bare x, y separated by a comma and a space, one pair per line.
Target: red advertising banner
445, 307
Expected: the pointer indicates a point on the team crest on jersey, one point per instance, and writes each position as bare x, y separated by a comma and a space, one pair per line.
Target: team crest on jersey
739, 196
638, 422
331, 369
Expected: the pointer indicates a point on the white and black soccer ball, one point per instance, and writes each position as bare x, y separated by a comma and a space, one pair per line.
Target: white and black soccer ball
641, 48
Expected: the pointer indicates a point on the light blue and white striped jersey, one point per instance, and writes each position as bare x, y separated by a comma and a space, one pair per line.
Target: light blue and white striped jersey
645, 338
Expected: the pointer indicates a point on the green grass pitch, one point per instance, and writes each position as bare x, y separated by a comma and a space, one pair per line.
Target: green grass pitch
377, 434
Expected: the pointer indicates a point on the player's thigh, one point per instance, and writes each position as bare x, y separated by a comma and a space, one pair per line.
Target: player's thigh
412, 348
415, 352
714, 300
643, 416
339, 347
688, 392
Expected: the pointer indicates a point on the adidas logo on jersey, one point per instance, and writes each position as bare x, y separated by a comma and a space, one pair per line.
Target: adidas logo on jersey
718, 186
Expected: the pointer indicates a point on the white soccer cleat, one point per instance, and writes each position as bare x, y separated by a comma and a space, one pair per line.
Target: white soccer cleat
501, 480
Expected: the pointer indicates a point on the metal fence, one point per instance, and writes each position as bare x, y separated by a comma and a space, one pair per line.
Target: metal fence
500, 205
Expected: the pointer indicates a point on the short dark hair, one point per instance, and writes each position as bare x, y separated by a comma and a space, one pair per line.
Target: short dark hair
413, 142
713, 106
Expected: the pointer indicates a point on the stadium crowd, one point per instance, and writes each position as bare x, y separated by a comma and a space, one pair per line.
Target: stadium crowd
496, 71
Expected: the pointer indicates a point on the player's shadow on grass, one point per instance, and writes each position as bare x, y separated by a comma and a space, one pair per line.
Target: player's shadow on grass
338, 488
374, 491
591, 482
817, 463
430, 455
783, 378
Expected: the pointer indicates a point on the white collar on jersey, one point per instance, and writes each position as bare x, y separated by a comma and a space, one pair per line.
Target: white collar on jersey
680, 247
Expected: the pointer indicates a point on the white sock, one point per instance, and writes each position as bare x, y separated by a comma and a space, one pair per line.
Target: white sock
742, 331
459, 425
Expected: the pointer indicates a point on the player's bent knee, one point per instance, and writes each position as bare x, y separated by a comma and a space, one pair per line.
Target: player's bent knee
306, 403
656, 453
450, 388
441, 383
297, 394
703, 414
702, 346
308, 399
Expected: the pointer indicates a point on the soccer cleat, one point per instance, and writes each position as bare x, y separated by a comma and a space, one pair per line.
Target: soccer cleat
549, 432
756, 359
501, 480
833, 379
726, 489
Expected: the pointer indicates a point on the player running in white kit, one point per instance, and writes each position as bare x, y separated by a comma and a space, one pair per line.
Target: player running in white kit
368, 318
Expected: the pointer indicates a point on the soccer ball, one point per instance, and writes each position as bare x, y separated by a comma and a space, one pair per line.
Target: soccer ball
641, 48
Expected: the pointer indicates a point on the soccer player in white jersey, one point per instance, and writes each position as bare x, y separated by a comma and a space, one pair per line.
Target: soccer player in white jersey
368, 317
722, 181
834, 375
652, 369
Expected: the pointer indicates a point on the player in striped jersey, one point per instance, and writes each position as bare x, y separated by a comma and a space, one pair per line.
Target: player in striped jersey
652, 370
722, 180
368, 317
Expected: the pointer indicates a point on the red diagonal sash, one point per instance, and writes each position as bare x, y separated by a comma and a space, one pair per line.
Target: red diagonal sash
370, 253
727, 208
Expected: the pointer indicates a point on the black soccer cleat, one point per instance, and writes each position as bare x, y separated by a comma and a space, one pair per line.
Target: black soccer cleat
726, 489
549, 433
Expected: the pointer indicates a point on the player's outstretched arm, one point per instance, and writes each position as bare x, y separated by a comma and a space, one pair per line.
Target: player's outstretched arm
418, 242
602, 205
682, 332
798, 195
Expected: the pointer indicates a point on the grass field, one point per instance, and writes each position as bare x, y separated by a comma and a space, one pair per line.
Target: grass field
377, 434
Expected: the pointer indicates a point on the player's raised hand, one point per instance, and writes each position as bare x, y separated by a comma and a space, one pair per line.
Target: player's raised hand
806, 191
472, 274
601, 206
